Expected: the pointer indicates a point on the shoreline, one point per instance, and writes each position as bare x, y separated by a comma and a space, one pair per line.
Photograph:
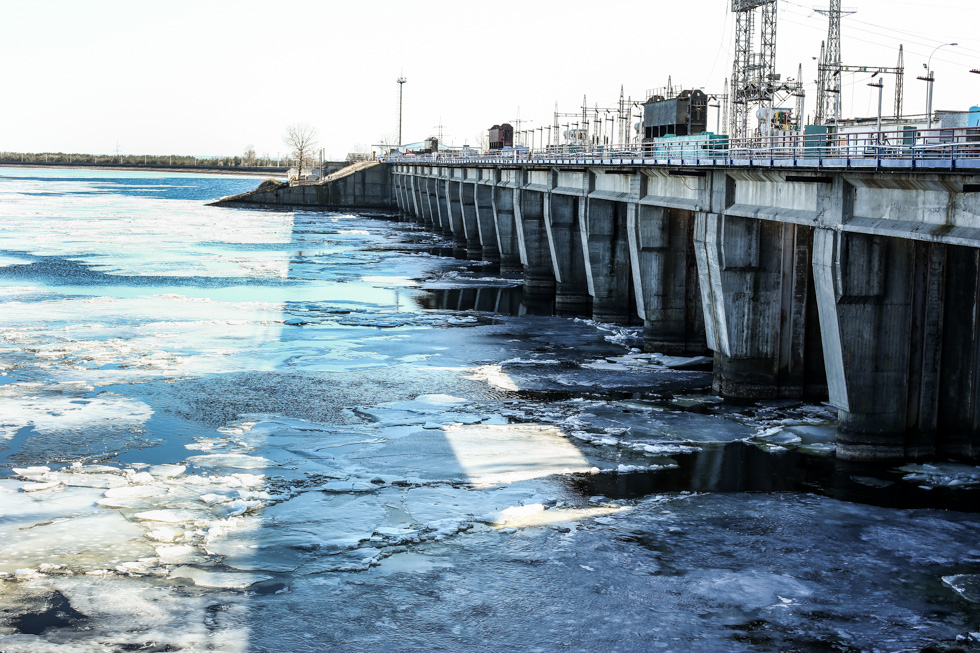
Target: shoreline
186, 170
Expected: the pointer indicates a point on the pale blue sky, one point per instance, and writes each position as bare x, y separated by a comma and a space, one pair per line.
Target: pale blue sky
212, 77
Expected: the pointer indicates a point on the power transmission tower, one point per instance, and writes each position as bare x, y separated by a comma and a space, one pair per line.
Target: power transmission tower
899, 76
401, 85
832, 61
753, 73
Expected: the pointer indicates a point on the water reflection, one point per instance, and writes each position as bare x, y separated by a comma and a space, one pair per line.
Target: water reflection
747, 467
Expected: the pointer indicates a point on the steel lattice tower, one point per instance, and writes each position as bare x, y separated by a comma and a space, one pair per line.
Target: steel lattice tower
753, 73
899, 76
828, 93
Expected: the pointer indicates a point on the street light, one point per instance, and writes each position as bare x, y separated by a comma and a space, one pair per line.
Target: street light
930, 78
880, 85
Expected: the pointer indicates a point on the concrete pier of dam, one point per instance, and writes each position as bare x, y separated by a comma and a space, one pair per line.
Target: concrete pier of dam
857, 285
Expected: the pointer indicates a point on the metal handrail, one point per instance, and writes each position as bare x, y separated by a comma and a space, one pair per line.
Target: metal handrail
918, 148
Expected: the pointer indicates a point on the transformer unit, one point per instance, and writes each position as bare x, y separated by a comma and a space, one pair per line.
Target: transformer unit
683, 115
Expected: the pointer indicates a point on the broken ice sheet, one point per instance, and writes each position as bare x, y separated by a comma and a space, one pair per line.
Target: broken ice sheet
65, 527
483, 454
942, 474
966, 585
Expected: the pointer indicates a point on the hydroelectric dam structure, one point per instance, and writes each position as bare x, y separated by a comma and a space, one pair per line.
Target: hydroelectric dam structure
847, 270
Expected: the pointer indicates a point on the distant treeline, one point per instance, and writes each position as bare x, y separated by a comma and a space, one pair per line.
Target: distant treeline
149, 160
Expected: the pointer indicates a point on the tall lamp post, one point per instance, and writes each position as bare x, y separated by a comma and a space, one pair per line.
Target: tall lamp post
930, 78
401, 85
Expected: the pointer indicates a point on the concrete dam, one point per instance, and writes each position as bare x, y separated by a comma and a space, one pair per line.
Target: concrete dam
856, 280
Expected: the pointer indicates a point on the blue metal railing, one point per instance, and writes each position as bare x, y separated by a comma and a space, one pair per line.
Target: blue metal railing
904, 149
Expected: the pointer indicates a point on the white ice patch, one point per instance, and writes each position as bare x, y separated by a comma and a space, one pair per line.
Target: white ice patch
54, 409
490, 454
229, 461
495, 376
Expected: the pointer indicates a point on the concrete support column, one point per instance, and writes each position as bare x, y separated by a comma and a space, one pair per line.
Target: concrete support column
442, 205
483, 200
414, 182
505, 225
425, 210
899, 353
397, 179
754, 278
665, 278
602, 224
959, 395
455, 213
432, 185
539, 276
568, 261
471, 228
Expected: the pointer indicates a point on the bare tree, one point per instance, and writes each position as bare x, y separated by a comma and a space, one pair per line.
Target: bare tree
249, 156
302, 139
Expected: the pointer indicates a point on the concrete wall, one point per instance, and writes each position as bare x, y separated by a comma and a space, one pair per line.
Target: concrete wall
370, 188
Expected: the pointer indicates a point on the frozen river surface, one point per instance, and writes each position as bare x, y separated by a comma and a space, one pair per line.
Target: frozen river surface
239, 430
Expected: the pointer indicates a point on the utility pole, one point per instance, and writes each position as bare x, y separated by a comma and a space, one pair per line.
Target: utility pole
880, 85
401, 85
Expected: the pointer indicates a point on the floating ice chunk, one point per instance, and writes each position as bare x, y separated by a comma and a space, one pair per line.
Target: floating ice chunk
171, 516
432, 425
684, 362
167, 470
219, 579
164, 534
130, 496
517, 513
31, 471
139, 478
40, 487
229, 461
178, 554
943, 474
495, 376
439, 400
966, 585
212, 498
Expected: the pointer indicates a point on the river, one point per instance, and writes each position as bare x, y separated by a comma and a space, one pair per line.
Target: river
245, 430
